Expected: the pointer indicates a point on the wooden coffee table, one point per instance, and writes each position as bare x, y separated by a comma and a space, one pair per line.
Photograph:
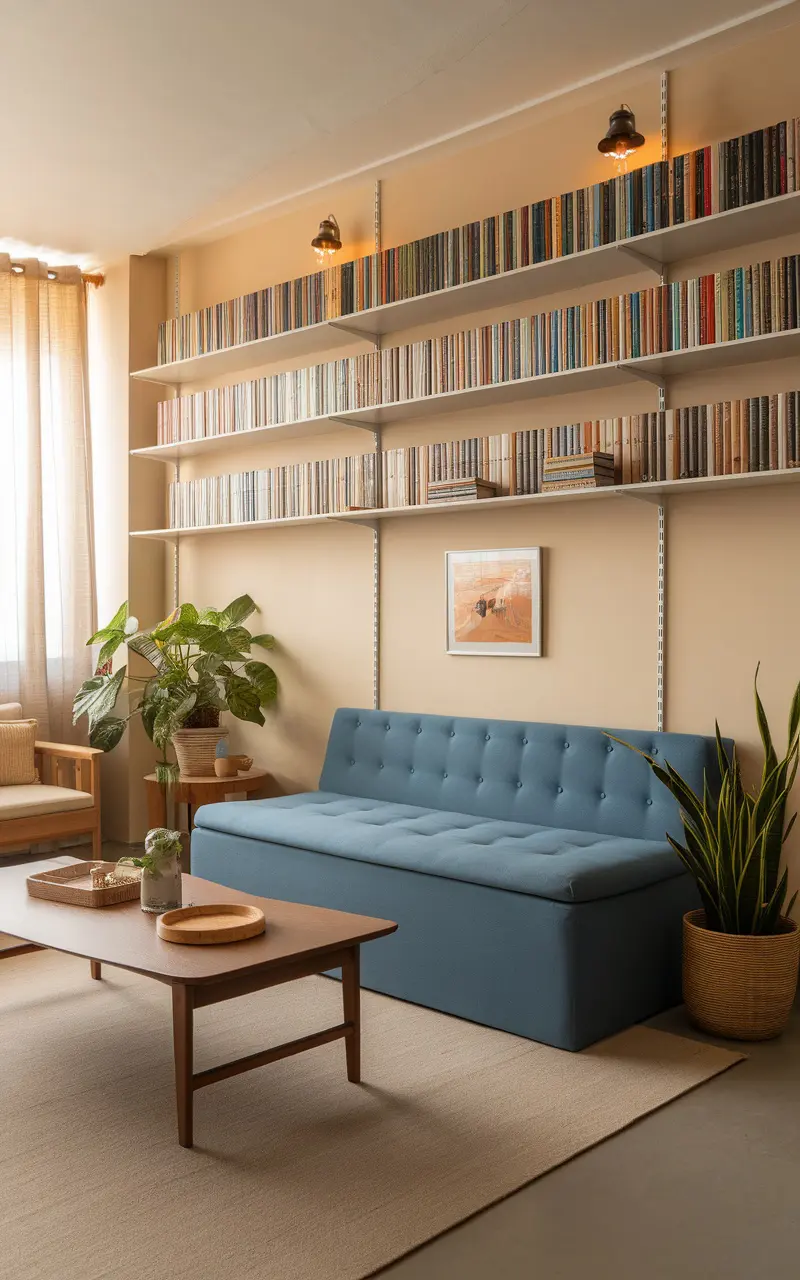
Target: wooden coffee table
299, 941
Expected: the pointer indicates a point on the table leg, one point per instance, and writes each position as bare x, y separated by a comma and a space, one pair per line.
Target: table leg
95, 969
351, 999
156, 804
183, 1043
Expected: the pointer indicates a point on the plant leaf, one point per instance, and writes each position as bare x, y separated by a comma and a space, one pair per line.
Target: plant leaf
116, 624
238, 611
107, 732
264, 679
97, 697
264, 641
243, 699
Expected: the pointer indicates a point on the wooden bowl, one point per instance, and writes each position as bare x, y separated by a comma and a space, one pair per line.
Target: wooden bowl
210, 923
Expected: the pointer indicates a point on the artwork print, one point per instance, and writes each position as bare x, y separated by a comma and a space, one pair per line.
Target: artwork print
494, 602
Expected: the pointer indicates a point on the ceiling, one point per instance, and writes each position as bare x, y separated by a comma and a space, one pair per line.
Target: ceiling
131, 124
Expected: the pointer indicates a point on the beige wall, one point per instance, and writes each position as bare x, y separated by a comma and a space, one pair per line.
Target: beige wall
733, 595
128, 494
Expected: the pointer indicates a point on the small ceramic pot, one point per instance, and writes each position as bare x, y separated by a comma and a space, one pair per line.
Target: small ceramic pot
225, 766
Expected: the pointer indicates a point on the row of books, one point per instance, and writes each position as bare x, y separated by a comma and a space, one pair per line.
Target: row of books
736, 303
761, 433
756, 166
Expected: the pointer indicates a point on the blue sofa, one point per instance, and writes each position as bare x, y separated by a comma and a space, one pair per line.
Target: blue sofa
526, 865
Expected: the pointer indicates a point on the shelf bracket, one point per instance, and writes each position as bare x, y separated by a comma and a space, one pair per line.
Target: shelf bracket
650, 264
656, 379
652, 499
373, 525
372, 427
374, 338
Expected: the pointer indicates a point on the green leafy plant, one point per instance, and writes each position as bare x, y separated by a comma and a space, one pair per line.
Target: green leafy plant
734, 837
201, 664
160, 844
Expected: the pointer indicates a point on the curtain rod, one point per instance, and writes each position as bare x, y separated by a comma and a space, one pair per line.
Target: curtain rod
87, 277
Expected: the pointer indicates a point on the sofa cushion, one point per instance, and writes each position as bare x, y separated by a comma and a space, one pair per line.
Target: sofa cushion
10, 711
547, 862
34, 800
554, 775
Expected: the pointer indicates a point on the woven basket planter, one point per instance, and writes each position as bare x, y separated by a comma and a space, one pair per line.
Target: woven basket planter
196, 751
739, 986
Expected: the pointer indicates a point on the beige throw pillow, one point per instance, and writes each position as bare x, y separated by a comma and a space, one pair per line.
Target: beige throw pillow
10, 711
17, 739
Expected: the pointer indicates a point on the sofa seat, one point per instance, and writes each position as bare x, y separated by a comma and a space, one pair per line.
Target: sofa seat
35, 799
559, 864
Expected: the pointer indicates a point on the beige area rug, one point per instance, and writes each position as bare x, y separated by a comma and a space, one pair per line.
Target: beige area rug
297, 1175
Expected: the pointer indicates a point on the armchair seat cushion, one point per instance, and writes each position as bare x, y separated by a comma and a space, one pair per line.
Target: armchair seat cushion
28, 800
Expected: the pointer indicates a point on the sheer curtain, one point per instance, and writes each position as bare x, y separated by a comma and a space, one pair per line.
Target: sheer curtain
47, 608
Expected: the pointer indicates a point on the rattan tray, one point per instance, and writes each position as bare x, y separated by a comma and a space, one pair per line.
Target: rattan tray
74, 885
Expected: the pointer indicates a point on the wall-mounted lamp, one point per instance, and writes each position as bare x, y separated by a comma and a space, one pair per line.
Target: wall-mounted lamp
621, 139
328, 239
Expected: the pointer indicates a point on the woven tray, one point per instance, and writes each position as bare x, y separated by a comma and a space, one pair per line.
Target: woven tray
74, 885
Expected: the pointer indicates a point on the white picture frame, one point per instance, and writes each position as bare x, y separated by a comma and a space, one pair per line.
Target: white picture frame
494, 602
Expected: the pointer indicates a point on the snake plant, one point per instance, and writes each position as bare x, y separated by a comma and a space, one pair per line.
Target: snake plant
734, 836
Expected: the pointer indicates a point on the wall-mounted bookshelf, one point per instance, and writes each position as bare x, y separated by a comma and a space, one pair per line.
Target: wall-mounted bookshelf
656, 369
653, 491
732, 229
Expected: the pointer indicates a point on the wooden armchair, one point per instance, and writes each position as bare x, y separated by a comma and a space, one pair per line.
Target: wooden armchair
64, 802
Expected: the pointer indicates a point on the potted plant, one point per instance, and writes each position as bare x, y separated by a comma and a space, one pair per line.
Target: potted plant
740, 950
201, 666
160, 864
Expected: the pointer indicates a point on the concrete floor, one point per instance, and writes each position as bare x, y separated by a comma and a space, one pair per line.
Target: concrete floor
708, 1188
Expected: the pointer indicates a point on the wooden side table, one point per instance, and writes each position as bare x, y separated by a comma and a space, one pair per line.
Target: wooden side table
194, 792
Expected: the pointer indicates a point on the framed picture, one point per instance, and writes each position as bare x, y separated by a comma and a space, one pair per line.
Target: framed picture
494, 602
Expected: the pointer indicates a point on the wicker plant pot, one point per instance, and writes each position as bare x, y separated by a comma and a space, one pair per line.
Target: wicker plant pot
737, 985
196, 751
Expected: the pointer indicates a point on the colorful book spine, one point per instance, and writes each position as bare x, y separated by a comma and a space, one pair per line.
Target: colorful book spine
740, 302
761, 433
757, 166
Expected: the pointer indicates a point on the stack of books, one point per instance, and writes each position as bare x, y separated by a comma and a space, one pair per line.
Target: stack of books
468, 490
581, 471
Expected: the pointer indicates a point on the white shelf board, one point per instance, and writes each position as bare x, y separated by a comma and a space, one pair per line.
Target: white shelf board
651, 491
182, 449
768, 346
720, 231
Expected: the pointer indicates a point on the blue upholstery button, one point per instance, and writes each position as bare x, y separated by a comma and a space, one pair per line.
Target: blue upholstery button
519, 784
524, 742
411, 770
387, 727
487, 738
560, 789
566, 746
380, 766
602, 795
452, 733
649, 801
352, 761
358, 724
444, 775
609, 750
419, 729
480, 779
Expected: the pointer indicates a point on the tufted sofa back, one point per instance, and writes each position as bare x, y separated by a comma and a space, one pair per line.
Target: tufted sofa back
552, 775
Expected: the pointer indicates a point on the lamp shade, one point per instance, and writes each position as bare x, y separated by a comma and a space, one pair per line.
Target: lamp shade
328, 238
621, 138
